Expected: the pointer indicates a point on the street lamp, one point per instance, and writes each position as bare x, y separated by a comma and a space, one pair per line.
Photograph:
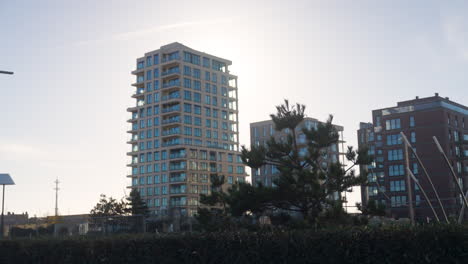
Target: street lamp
6, 72
5, 179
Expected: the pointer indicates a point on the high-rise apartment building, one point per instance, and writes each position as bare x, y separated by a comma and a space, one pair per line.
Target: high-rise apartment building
419, 119
184, 128
261, 132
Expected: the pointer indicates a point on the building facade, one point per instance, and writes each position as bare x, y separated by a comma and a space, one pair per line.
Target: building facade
261, 132
419, 119
184, 128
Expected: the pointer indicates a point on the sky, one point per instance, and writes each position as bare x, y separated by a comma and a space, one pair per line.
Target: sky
63, 112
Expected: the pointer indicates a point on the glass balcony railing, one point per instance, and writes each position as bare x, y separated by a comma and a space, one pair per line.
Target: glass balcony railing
179, 177
171, 142
170, 96
177, 190
178, 155
170, 132
178, 202
170, 57
140, 90
177, 167
171, 71
174, 119
171, 109
171, 83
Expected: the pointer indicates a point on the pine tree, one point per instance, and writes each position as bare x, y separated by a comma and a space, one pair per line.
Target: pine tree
136, 206
304, 184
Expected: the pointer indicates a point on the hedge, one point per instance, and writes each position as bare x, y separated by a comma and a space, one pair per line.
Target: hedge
435, 244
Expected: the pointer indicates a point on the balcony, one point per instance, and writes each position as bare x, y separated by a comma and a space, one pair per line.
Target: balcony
174, 166
171, 120
171, 57
134, 118
173, 108
177, 178
133, 150
139, 81
178, 154
177, 191
171, 83
171, 71
139, 92
172, 96
178, 202
133, 139
171, 132
171, 142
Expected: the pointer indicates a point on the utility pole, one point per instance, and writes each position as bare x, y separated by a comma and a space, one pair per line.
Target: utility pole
56, 196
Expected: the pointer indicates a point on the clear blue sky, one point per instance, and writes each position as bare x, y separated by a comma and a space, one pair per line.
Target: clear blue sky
64, 110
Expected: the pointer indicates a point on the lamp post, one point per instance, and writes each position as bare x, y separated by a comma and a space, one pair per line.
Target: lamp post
6, 72
5, 179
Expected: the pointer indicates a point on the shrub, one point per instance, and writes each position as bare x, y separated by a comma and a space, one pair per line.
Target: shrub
428, 244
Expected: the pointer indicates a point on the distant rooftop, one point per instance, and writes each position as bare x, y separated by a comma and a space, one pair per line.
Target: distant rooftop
177, 45
269, 121
424, 103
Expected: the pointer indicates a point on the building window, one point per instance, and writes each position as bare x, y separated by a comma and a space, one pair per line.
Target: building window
415, 168
156, 59
418, 199
397, 186
413, 137
192, 58
395, 154
187, 83
187, 71
398, 201
411, 121
373, 190
392, 124
148, 61
187, 108
396, 170
394, 139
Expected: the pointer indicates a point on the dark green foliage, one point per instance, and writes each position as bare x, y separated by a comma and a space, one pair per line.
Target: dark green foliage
304, 184
108, 207
244, 197
429, 244
22, 232
217, 196
135, 205
373, 208
44, 231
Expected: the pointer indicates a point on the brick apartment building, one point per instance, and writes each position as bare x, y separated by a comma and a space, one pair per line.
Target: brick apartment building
419, 119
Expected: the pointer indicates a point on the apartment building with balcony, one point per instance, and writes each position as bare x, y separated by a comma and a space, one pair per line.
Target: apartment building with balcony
419, 119
184, 128
261, 132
